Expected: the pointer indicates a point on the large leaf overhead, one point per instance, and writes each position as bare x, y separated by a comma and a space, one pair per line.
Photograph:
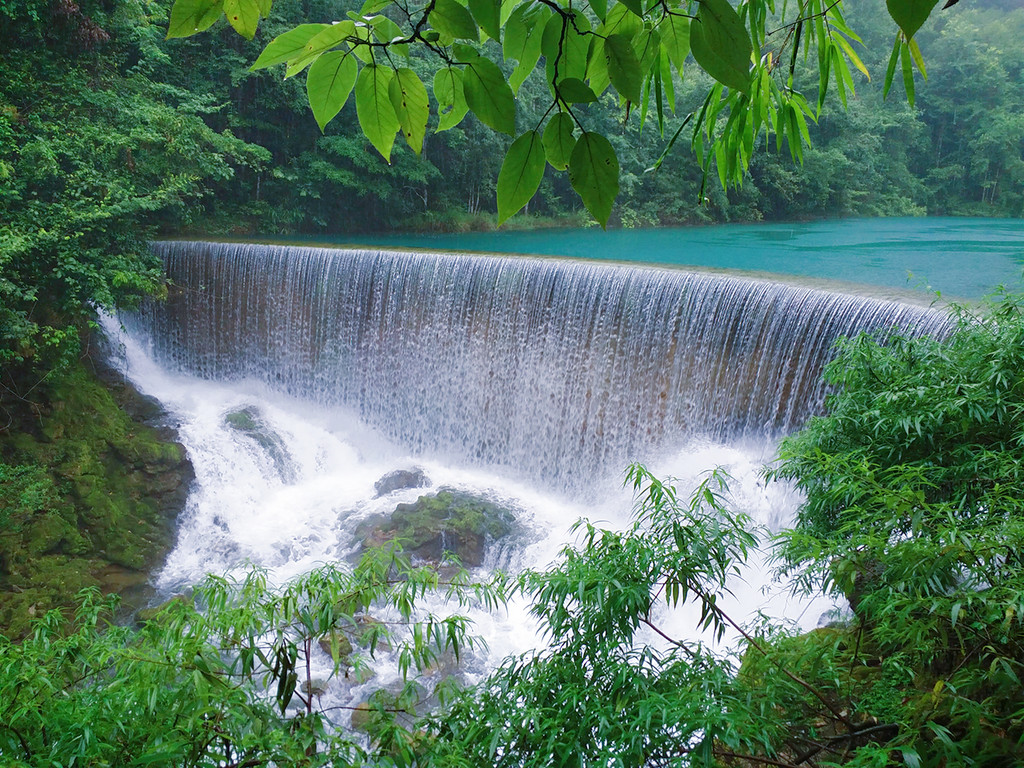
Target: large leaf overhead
191, 16
374, 109
489, 95
288, 46
721, 45
412, 106
243, 15
520, 175
559, 141
910, 14
451, 99
329, 83
450, 18
594, 174
623, 66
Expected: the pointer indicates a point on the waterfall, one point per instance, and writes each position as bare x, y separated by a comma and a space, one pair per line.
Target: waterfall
552, 370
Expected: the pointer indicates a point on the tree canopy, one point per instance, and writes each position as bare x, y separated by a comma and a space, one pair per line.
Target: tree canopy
636, 49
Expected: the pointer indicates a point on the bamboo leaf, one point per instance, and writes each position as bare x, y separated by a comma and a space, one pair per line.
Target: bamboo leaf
908, 72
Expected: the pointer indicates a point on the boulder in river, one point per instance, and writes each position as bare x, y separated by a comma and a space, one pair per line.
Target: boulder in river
449, 521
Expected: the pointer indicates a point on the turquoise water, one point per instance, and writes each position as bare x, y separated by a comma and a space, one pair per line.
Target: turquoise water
960, 258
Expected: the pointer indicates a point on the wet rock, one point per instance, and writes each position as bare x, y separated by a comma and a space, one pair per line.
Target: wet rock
249, 422
400, 480
448, 522
339, 640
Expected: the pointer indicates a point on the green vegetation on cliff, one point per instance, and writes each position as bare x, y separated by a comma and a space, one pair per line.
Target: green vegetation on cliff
88, 497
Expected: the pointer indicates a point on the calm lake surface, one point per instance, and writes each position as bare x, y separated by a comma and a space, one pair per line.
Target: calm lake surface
958, 257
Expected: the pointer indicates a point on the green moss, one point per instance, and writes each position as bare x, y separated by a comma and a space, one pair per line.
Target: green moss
87, 498
450, 522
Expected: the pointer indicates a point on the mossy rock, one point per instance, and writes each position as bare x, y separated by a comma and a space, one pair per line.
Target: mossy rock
250, 423
88, 496
446, 523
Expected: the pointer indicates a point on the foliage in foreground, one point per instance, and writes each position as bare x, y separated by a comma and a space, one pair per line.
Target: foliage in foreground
750, 52
913, 512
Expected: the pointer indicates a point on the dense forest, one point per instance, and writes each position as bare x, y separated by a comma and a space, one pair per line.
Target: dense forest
111, 134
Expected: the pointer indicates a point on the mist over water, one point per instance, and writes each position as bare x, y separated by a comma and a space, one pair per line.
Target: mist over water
529, 382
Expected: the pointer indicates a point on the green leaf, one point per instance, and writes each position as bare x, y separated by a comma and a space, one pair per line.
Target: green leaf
287, 46
623, 66
594, 174
647, 47
565, 46
600, 8
489, 96
244, 16
675, 39
191, 16
908, 72
890, 70
322, 41
450, 18
520, 174
522, 42
597, 67
621, 21
633, 5
386, 30
572, 90
412, 106
488, 15
909, 15
264, 6
370, 7
720, 44
328, 83
559, 140
376, 114
451, 102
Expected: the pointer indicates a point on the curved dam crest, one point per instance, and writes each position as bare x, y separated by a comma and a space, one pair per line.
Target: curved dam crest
550, 370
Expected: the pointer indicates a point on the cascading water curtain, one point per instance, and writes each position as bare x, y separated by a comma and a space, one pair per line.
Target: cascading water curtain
555, 370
